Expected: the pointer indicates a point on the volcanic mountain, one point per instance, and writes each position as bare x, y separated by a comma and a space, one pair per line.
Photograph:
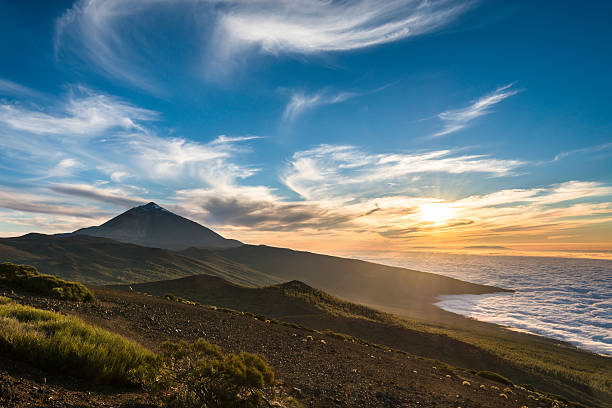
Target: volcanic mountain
153, 226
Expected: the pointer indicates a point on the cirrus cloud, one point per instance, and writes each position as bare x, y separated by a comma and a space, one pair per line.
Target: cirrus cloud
112, 34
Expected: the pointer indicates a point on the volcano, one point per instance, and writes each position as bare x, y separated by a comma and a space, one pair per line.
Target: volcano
153, 226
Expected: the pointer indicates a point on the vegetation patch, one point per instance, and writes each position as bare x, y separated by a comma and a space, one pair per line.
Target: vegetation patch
28, 278
199, 375
67, 344
174, 298
494, 377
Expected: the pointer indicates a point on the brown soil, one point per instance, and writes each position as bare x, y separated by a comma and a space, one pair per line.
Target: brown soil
318, 370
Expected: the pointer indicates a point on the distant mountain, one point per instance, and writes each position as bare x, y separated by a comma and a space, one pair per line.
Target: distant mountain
153, 226
95, 260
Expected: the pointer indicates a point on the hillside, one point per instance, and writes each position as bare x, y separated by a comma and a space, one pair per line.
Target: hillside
320, 370
456, 340
153, 226
102, 261
299, 303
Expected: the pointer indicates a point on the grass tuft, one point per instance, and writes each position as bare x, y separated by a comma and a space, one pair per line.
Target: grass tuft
67, 344
494, 377
28, 278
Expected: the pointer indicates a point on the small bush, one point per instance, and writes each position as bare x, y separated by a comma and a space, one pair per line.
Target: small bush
67, 344
28, 278
174, 298
4, 300
199, 375
494, 377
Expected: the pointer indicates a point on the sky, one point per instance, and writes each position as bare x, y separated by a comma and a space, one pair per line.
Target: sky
335, 126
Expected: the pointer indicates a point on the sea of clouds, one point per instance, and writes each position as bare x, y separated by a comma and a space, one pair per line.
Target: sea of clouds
561, 298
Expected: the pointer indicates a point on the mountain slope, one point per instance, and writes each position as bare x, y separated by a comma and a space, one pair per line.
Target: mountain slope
382, 286
96, 260
153, 226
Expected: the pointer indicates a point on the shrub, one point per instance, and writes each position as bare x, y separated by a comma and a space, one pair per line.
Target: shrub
174, 298
28, 278
494, 377
4, 300
67, 344
199, 375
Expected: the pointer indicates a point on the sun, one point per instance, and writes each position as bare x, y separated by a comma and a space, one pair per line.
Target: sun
436, 212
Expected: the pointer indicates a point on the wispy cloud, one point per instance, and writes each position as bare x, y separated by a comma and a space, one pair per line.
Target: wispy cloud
584, 150
233, 139
459, 119
301, 102
115, 196
65, 167
306, 26
113, 36
84, 113
14, 89
37, 203
113, 136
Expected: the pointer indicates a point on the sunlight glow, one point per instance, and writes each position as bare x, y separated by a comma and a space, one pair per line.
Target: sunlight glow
436, 212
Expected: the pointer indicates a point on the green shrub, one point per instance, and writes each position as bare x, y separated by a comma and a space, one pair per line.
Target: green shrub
28, 278
4, 300
67, 344
198, 374
174, 298
494, 377
170, 296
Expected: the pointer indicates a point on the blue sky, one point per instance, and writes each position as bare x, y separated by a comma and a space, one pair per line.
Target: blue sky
362, 124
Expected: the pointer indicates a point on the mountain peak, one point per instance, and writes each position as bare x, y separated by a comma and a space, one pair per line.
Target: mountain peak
153, 226
151, 207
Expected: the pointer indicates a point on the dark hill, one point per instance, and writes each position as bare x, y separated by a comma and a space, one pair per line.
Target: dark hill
96, 260
153, 226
